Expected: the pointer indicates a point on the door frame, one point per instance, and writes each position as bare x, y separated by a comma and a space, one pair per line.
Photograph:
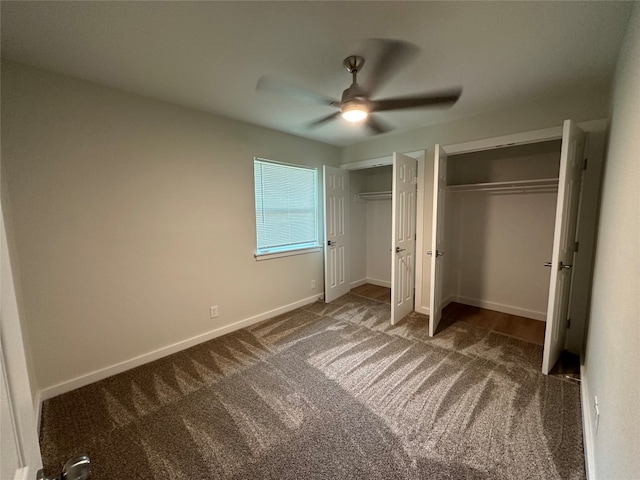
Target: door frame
19, 404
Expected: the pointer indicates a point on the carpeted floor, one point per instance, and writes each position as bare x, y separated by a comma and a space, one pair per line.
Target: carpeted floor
329, 391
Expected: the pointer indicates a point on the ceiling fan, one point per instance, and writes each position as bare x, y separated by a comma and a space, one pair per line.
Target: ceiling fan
357, 103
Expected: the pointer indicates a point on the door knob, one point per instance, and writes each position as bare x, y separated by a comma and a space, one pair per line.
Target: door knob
560, 267
398, 249
331, 243
438, 253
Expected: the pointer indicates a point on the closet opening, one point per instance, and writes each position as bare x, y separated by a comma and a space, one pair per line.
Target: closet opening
500, 220
373, 220
504, 234
370, 226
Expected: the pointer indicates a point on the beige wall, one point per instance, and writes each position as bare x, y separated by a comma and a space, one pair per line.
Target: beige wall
612, 360
497, 248
379, 241
357, 227
129, 217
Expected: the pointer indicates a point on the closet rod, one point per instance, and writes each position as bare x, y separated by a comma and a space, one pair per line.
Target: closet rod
549, 189
375, 195
545, 184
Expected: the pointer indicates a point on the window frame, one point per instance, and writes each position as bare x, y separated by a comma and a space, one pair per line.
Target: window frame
295, 249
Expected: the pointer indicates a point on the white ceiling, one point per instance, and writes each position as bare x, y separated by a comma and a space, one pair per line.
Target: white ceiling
209, 55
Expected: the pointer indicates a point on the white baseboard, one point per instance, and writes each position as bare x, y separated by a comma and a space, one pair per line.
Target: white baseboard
499, 307
587, 425
24, 473
380, 283
372, 281
81, 381
422, 310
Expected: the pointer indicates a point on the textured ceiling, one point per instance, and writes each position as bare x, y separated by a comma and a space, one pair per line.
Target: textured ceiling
209, 55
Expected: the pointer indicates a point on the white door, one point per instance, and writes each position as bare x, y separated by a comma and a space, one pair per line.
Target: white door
19, 452
437, 238
564, 238
403, 242
336, 227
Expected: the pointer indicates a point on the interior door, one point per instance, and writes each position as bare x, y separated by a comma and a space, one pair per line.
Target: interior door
437, 238
564, 238
403, 243
18, 433
336, 227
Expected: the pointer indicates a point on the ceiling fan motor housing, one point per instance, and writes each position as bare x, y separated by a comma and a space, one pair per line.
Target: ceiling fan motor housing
354, 93
353, 63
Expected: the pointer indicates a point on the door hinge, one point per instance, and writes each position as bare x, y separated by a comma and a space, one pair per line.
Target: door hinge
415, 236
584, 164
576, 246
568, 323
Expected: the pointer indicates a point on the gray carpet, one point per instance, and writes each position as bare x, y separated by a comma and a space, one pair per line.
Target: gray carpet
328, 392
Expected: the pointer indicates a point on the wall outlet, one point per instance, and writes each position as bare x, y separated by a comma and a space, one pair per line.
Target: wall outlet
313, 284
213, 311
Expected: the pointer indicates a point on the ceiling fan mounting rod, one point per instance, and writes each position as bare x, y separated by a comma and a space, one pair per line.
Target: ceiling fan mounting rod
353, 64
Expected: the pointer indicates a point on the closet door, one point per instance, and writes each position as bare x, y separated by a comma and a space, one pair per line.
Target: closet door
336, 228
437, 238
403, 243
564, 238
18, 433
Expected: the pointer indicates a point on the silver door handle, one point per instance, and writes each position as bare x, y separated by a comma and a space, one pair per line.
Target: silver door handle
398, 249
568, 267
331, 243
438, 253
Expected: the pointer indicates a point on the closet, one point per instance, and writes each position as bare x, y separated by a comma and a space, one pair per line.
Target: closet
500, 218
370, 226
504, 227
373, 219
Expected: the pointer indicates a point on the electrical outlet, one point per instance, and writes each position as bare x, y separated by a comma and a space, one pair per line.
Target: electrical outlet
313, 284
213, 311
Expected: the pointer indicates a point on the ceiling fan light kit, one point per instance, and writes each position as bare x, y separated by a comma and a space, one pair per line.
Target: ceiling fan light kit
354, 112
356, 104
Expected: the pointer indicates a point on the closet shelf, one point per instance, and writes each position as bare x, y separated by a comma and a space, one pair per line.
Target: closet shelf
543, 184
375, 195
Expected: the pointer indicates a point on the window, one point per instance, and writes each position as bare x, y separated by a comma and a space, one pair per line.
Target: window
286, 207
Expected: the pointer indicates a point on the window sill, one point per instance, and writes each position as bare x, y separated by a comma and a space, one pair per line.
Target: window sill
287, 253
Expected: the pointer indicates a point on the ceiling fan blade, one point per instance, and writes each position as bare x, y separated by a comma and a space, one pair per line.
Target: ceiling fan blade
444, 98
384, 57
269, 84
376, 125
322, 120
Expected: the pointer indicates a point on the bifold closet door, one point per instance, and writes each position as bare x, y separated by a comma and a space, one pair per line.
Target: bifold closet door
564, 238
336, 228
403, 243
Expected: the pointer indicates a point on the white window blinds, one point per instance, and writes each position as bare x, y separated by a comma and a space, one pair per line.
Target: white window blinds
286, 207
